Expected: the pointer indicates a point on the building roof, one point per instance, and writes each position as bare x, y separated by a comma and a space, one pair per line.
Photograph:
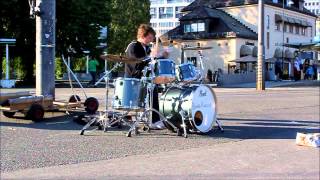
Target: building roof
228, 26
231, 3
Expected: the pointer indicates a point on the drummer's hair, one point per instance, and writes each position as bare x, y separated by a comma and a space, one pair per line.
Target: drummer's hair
144, 30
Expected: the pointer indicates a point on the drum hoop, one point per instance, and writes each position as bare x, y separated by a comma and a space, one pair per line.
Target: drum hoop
186, 64
124, 78
165, 60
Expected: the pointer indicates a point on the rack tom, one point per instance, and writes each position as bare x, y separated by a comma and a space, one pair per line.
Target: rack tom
164, 71
186, 72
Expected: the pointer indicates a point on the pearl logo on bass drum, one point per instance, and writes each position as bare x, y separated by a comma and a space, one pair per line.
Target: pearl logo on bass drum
202, 93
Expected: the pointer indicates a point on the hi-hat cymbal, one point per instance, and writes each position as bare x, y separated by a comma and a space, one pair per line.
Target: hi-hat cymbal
120, 58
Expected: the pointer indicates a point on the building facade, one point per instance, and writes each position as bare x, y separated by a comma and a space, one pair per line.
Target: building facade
282, 25
165, 14
313, 6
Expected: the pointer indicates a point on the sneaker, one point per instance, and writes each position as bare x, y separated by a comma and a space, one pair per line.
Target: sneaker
157, 125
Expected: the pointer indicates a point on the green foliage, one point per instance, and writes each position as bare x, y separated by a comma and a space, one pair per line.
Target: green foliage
60, 68
16, 68
78, 24
126, 16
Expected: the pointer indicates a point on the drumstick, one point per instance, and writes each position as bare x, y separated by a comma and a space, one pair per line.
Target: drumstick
157, 41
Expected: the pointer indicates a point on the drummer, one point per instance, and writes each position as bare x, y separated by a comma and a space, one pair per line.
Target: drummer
139, 49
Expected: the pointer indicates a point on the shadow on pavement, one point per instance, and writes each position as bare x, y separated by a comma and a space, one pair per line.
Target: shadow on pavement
265, 128
56, 122
233, 128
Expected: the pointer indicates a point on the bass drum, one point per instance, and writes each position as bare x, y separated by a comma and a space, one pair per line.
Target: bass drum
199, 103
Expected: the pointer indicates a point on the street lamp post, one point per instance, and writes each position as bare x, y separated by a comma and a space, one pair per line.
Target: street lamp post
260, 69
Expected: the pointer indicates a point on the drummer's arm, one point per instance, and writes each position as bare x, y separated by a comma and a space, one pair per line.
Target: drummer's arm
163, 55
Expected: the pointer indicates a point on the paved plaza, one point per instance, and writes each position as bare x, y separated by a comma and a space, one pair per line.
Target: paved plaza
259, 141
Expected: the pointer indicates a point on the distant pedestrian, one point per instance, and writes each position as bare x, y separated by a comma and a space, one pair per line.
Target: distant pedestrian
93, 63
278, 70
309, 73
314, 66
297, 69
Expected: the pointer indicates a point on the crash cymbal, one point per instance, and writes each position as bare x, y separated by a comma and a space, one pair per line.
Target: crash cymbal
120, 58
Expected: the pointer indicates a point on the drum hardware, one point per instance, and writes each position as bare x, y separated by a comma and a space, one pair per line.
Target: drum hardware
182, 108
146, 115
104, 75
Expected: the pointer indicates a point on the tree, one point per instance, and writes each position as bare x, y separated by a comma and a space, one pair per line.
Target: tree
126, 16
78, 23
76, 26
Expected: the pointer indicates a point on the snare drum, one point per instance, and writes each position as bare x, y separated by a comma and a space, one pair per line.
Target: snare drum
127, 93
186, 72
164, 71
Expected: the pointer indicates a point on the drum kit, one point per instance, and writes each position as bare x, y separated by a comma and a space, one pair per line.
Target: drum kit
186, 104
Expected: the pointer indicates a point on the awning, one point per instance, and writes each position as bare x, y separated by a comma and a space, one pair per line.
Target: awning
278, 53
255, 51
245, 59
271, 60
288, 54
278, 18
245, 50
290, 20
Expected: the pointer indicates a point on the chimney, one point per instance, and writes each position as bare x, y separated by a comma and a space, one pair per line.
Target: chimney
301, 3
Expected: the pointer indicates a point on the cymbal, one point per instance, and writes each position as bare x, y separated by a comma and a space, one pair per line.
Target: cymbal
120, 58
196, 48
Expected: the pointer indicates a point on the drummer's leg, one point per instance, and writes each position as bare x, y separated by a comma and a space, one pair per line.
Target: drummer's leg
155, 105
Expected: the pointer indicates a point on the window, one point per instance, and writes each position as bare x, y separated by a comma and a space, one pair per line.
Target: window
153, 13
278, 26
303, 31
201, 27
187, 28
154, 25
287, 40
291, 28
284, 28
268, 40
165, 12
192, 60
297, 30
268, 21
166, 24
194, 27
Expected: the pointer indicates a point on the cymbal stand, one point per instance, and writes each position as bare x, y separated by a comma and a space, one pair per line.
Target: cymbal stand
201, 67
102, 118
